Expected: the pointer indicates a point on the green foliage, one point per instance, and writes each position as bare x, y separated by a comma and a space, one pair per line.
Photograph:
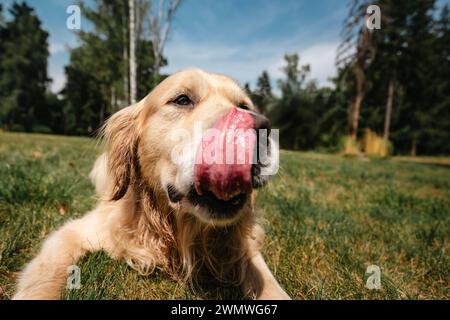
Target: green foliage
308, 117
327, 218
262, 97
412, 51
23, 70
97, 76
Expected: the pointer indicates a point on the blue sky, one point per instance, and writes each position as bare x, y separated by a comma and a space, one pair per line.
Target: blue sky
237, 37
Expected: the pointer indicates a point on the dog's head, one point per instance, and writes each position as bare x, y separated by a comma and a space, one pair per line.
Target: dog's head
197, 139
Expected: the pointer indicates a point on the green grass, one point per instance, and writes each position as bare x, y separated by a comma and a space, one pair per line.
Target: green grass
327, 219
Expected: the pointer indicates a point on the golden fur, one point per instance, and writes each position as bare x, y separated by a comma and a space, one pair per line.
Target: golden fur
134, 219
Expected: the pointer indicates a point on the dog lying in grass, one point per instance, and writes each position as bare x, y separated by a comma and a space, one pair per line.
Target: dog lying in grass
161, 204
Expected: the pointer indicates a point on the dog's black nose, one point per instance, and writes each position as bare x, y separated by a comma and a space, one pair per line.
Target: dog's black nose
260, 122
262, 127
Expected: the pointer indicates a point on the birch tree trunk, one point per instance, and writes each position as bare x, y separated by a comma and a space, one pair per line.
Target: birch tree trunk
159, 29
126, 71
132, 52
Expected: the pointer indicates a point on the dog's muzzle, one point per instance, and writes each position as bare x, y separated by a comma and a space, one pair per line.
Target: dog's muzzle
228, 164
227, 158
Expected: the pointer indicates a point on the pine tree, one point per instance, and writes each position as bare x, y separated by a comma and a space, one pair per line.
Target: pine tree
402, 99
417, 77
294, 113
437, 141
23, 71
263, 94
383, 87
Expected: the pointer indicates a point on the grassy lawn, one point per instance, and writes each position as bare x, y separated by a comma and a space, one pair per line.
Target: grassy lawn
327, 219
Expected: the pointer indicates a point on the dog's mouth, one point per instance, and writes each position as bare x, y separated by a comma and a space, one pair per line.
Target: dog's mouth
208, 207
214, 208
225, 170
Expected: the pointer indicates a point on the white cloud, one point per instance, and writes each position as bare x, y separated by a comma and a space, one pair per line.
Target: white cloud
55, 48
55, 67
320, 57
242, 62
245, 62
56, 73
59, 57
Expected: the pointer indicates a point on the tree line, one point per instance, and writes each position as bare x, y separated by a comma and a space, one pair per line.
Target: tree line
117, 62
394, 80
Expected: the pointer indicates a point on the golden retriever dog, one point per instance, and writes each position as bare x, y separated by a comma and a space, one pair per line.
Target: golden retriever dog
161, 205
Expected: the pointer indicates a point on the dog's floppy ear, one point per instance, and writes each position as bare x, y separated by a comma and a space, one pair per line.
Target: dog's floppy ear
122, 137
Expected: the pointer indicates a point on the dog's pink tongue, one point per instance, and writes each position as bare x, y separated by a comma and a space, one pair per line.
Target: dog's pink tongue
224, 158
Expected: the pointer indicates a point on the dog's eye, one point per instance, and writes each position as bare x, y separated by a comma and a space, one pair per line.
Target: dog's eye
243, 106
183, 100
